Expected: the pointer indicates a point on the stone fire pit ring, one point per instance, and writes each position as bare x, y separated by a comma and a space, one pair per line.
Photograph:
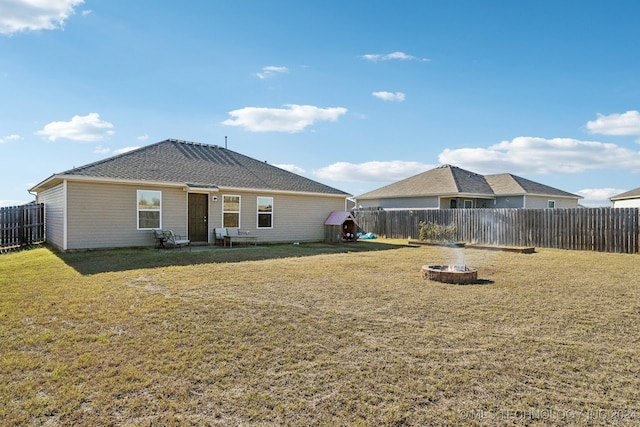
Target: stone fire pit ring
456, 274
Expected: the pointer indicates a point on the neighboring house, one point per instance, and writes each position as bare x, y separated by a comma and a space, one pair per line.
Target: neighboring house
628, 199
187, 187
450, 187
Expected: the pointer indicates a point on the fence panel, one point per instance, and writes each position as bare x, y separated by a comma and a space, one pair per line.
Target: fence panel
21, 225
591, 229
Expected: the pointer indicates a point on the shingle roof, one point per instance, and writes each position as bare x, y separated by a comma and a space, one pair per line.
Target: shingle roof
508, 184
441, 180
631, 194
198, 164
451, 180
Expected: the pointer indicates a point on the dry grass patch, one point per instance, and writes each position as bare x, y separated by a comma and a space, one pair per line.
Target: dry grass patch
349, 338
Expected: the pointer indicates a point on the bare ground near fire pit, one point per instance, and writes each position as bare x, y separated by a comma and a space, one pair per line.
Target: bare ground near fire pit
311, 335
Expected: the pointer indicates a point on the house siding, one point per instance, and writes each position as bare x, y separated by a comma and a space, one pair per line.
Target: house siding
627, 203
511, 202
295, 217
105, 215
54, 211
541, 202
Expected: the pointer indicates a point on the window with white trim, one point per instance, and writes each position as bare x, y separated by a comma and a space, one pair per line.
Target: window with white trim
468, 204
265, 212
230, 211
149, 209
551, 204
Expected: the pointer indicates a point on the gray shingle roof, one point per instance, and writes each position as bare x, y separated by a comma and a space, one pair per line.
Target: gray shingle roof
451, 180
508, 184
631, 194
200, 165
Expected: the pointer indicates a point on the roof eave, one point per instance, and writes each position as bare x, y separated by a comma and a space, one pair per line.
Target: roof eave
272, 190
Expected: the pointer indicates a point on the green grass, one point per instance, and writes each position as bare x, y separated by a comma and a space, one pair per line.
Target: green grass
318, 335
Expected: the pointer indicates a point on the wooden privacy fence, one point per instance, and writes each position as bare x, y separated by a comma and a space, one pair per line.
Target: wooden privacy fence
592, 229
21, 226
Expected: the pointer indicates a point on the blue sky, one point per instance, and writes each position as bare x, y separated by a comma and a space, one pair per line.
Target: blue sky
354, 94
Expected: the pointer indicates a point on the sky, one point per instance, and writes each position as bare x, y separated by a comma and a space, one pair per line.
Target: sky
354, 94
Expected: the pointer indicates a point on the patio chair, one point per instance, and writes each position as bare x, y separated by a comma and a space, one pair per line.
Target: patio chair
174, 241
219, 235
160, 238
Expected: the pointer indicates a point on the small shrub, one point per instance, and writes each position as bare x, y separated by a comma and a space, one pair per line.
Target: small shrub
436, 232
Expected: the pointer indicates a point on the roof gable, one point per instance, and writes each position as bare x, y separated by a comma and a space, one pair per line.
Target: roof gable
631, 194
450, 180
508, 184
338, 218
200, 165
444, 179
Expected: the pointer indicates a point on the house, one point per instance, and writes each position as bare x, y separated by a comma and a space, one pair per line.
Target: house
628, 199
450, 187
187, 187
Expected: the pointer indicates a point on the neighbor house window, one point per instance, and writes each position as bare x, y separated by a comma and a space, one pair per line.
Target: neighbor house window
265, 212
468, 204
149, 209
551, 204
231, 211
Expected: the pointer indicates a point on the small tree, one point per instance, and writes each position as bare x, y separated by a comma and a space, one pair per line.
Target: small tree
436, 232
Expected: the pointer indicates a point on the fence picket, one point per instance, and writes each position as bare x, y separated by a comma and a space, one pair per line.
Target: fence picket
21, 225
591, 229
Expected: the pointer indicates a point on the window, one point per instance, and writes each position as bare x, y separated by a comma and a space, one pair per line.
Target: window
265, 212
468, 204
149, 209
231, 211
551, 204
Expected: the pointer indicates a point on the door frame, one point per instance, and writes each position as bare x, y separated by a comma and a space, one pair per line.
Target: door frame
208, 214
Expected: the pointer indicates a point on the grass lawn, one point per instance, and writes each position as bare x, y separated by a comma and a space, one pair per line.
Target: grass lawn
318, 335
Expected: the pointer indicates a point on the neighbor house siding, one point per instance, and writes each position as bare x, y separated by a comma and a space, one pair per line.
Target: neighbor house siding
54, 211
400, 203
105, 215
541, 202
509, 202
627, 203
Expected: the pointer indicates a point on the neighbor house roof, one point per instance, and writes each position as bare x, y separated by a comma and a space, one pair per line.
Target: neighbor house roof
632, 194
193, 165
453, 181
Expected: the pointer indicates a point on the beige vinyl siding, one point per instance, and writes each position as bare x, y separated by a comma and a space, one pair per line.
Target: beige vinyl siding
295, 217
54, 210
540, 202
105, 215
627, 203
425, 202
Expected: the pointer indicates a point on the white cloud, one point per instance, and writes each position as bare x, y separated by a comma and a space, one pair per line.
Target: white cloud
143, 137
295, 118
80, 128
8, 138
101, 150
291, 168
529, 155
389, 96
375, 57
271, 71
616, 124
125, 149
24, 15
105, 150
375, 171
594, 197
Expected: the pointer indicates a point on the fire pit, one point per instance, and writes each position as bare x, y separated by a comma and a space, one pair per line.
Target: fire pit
458, 274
